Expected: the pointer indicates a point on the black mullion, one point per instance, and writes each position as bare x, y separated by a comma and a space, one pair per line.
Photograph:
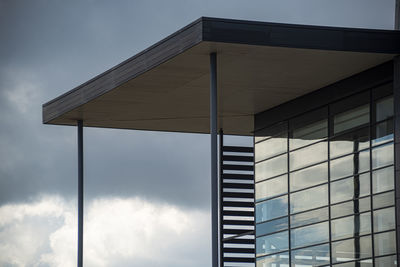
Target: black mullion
288, 190
330, 131
371, 119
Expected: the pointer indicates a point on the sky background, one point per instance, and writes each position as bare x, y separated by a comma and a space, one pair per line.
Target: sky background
147, 194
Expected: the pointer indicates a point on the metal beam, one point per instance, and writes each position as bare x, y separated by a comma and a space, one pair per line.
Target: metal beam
397, 16
214, 158
80, 193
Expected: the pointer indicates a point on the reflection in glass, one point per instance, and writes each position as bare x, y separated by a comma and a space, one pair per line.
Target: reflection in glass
271, 209
383, 180
383, 132
384, 108
384, 219
351, 226
385, 243
309, 176
272, 243
382, 155
353, 187
349, 165
360, 263
309, 235
383, 200
308, 134
351, 207
311, 256
272, 226
271, 167
308, 155
275, 130
308, 199
271, 147
350, 119
281, 259
347, 143
309, 217
389, 261
351, 249
272, 188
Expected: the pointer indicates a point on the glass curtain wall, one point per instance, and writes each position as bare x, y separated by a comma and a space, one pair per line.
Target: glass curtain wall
325, 186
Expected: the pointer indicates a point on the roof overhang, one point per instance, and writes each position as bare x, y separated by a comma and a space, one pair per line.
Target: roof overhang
260, 65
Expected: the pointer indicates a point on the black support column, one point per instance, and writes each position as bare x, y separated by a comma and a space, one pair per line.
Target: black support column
396, 97
214, 158
80, 193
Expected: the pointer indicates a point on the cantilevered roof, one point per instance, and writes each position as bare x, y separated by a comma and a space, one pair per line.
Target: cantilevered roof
260, 65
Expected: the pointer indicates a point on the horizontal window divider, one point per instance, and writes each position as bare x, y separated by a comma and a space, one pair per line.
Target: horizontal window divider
382, 167
349, 200
386, 207
351, 130
272, 254
270, 220
277, 232
281, 195
352, 237
313, 209
242, 149
384, 120
349, 176
385, 144
384, 192
270, 178
309, 224
352, 153
324, 139
238, 176
386, 255
307, 246
308, 166
349, 215
310, 187
237, 158
353, 260
274, 156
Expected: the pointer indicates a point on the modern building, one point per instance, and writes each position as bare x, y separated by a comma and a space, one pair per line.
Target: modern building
323, 105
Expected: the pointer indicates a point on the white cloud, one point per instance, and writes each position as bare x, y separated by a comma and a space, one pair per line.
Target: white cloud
118, 232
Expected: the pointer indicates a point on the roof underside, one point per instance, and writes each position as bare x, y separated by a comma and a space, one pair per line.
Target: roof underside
260, 65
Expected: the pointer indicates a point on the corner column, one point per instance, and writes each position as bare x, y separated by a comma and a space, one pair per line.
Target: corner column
214, 158
80, 193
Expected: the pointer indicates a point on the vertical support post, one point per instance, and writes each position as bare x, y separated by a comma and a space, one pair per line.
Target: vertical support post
221, 207
214, 158
80, 193
396, 98
397, 16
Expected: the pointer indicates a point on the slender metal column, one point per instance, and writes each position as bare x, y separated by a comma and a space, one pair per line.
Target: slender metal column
397, 16
214, 158
80, 193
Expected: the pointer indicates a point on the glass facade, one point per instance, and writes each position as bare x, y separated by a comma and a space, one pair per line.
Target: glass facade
325, 186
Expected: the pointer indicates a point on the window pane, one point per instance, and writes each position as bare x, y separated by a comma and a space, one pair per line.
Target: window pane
384, 108
311, 256
309, 217
308, 235
349, 165
309, 134
384, 219
361, 263
350, 142
268, 132
385, 243
271, 209
309, 199
354, 206
383, 200
271, 147
281, 259
271, 188
308, 177
272, 226
350, 119
272, 243
389, 261
382, 155
271, 167
351, 226
351, 249
383, 180
308, 155
383, 132
353, 187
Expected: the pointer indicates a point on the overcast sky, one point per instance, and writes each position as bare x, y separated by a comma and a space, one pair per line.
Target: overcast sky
146, 194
